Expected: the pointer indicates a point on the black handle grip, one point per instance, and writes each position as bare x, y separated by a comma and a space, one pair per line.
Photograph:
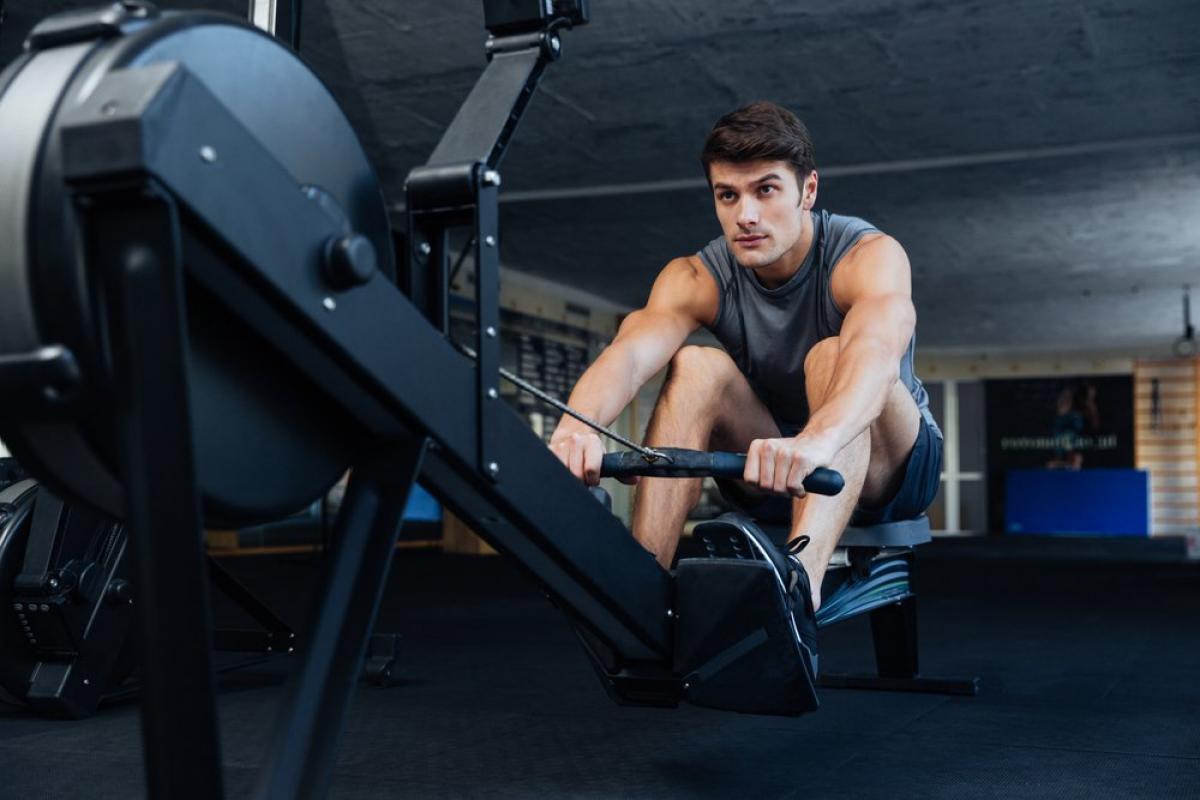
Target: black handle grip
702, 464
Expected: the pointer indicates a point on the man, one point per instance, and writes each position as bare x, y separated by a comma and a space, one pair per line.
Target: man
815, 315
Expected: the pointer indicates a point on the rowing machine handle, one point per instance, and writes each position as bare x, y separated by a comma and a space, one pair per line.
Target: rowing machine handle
702, 464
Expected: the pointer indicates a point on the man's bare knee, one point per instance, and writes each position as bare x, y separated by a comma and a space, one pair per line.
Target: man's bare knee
822, 356
698, 365
819, 366
893, 435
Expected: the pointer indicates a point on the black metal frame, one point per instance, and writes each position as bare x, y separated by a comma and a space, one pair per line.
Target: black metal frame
459, 187
143, 201
894, 639
135, 248
894, 636
73, 599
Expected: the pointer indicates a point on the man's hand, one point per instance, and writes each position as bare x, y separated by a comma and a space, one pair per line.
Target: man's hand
581, 452
781, 465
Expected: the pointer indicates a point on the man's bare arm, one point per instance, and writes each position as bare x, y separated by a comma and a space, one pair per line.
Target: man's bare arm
684, 297
875, 286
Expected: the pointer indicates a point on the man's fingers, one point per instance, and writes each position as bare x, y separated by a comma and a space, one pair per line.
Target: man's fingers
562, 451
582, 454
593, 456
795, 481
766, 465
784, 460
576, 459
750, 474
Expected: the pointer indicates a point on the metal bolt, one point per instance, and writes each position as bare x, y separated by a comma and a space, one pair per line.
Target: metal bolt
424, 249
329, 303
87, 682
18, 607
491, 178
670, 613
270, 649
207, 154
45, 607
291, 650
109, 108
53, 583
492, 393
493, 469
489, 240
555, 43
490, 331
687, 686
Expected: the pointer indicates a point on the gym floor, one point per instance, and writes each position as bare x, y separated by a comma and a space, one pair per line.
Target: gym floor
1087, 654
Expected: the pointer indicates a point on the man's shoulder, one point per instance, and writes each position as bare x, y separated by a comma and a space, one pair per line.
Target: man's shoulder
684, 284
845, 225
690, 268
715, 256
848, 238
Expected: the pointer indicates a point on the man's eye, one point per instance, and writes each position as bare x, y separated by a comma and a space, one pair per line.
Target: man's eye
727, 195
766, 189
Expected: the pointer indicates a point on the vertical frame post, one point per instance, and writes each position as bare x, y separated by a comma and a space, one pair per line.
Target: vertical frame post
894, 634
135, 243
487, 312
300, 760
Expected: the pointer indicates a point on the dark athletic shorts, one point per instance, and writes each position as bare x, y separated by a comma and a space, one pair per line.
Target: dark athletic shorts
922, 476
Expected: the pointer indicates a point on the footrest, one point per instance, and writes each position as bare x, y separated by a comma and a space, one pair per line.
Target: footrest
734, 646
885, 582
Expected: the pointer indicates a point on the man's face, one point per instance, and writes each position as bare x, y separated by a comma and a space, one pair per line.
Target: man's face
760, 206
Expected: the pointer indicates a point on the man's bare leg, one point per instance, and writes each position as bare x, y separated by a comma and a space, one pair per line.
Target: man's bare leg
872, 465
705, 402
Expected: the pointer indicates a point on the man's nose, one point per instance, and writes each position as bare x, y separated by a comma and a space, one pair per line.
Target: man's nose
747, 213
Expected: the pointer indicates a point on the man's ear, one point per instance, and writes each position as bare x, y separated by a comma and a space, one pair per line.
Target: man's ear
808, 191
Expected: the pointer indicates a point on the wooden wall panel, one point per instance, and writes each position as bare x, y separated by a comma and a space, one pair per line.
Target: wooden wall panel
1166, 443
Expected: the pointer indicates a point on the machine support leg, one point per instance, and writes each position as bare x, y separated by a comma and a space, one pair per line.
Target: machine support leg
138, 256
246, 600
300, 760
894, 634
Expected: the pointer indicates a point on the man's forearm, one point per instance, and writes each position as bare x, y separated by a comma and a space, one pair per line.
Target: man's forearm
866, 369
603, 390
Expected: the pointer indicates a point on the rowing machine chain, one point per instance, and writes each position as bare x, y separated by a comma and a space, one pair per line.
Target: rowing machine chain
651, 455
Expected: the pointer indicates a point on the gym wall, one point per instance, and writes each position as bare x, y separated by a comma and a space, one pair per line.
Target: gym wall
1164, 435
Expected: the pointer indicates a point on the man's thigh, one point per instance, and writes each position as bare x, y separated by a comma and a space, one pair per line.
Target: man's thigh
741, 417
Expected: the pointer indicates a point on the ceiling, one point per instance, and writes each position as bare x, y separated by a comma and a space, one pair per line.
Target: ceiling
1040, 161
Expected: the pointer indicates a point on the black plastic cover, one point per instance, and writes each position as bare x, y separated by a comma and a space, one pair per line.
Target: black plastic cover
734, 648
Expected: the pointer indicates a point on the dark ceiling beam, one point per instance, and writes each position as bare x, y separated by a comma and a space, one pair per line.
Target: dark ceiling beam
873, 168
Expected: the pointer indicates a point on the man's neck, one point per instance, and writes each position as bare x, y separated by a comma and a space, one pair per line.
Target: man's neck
780, 271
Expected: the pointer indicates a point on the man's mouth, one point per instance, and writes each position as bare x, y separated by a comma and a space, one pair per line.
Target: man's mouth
752, 240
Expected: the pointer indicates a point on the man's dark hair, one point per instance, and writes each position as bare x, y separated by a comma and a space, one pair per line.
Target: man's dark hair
761, 131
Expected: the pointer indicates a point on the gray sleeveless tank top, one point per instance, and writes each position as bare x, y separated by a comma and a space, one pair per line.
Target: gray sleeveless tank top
768, 332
